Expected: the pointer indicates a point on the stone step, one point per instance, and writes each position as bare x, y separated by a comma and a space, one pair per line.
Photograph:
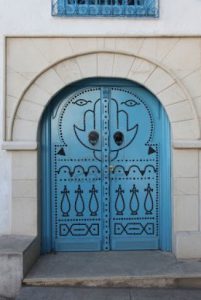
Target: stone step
119, 282
140, 269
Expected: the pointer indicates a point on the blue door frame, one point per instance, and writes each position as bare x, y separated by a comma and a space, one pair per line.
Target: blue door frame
108, 94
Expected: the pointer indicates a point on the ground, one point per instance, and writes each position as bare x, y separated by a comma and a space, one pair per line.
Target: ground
41, 293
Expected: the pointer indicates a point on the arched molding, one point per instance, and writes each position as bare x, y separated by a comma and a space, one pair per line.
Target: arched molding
158, 79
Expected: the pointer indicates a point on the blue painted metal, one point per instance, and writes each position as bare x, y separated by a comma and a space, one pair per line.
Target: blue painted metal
106, 8
165, 215
107, 145
45, 183
135, 189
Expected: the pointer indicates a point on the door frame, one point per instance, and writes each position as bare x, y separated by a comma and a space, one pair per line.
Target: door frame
44, 163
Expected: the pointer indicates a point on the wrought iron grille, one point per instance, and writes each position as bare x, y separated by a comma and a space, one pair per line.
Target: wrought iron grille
106, 8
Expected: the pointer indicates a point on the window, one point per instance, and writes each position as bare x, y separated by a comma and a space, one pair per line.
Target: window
110, 8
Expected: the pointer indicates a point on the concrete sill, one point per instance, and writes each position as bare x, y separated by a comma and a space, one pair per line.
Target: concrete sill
19, 146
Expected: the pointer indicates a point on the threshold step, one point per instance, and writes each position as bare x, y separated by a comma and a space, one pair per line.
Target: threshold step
118, 282
139, 269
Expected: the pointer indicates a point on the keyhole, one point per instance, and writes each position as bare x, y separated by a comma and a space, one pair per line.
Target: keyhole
93, 137
118, 138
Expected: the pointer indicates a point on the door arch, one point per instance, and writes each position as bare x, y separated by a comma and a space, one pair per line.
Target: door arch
105, 166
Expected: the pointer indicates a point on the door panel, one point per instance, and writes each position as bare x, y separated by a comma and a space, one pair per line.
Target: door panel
134, 171
76, 180
106, 171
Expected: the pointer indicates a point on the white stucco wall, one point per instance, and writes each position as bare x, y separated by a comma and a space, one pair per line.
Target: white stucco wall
33, 17
178, 17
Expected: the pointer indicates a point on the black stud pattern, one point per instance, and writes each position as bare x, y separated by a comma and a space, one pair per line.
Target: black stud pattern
105, 164
83, 184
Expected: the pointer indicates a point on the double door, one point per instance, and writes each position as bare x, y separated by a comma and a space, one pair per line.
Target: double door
106, 169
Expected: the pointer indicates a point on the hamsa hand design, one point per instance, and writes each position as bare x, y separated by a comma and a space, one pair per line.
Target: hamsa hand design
121, 133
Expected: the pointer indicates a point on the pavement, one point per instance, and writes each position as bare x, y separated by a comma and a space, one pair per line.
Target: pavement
59, 293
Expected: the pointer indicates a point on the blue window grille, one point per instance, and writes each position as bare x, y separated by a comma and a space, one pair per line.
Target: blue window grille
106, 8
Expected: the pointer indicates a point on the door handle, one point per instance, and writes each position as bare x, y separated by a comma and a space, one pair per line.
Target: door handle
111, 169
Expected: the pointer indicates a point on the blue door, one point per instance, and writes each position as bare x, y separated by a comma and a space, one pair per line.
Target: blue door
108, 147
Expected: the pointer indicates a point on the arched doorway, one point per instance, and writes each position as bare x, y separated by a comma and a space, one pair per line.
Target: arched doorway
105, 157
